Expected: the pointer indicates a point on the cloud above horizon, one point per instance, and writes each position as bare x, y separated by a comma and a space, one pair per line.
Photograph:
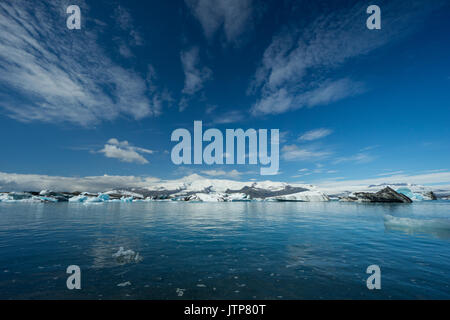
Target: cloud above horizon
35, 182
441, 178
295, 153
234, 16
315, 134
195, 75
222, 173
125, 152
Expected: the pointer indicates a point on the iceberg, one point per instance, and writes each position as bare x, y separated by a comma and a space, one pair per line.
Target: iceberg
127, 256
79, 198
305, 196
413, 196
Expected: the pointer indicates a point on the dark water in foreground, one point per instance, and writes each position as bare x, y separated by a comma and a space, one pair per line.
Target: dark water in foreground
226, 250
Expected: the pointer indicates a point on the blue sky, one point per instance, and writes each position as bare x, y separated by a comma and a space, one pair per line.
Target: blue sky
350, 103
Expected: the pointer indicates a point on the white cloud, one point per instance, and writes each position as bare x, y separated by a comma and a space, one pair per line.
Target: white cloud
53, 74
315, 134
222, 173
294, 153
297, 67
282, 100
195, 76
126, 23
234, 16
390, 173
357, 158
124, 151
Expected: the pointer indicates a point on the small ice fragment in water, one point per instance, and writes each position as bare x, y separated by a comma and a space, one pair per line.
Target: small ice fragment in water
127, 256
200, 285
124, 284
180, 292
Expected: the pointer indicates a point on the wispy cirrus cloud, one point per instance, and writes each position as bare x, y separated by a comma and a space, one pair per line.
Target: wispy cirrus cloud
125, 152
234, 16
229, 117
299, 67
195, 75
52, 74
222, 173
132, 38
315, 134
296, 153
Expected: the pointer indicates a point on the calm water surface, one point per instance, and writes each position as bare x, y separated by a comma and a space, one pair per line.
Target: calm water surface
226, 250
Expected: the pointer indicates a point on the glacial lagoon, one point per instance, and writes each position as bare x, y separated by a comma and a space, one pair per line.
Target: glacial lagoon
234, 250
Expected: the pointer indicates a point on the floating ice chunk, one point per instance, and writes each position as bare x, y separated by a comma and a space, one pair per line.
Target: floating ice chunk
94, 200
20, 196
180, 292
103, 197
80, 198
126, 199
46, 199
211, 197
127, 256
124, 284
239, 197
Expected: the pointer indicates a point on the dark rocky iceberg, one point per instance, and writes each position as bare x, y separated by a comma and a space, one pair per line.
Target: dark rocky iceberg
385, 195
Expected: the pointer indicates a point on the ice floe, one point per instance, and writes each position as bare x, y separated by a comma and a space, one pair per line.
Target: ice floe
127, 256
124, 284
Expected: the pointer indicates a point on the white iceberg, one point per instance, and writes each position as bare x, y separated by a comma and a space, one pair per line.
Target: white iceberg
304, 196
79, 198
413, 196
124, 284
126, 256
126, 199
